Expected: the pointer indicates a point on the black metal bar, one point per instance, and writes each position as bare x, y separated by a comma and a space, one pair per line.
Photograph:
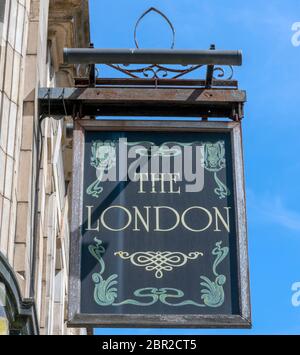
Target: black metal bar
210, 71
151, 56
84, 82
92, 72
92, 75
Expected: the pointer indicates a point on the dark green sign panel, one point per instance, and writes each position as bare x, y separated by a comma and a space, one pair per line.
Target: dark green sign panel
159, 230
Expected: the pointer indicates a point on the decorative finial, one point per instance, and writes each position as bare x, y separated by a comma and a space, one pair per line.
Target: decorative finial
153, 9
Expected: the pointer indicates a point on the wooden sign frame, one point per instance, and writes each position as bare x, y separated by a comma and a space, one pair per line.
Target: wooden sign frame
75, 317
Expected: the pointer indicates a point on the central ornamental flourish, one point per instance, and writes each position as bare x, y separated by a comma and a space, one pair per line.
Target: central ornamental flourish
158, 261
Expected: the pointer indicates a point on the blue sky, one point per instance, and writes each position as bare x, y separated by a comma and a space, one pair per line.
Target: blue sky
271, 76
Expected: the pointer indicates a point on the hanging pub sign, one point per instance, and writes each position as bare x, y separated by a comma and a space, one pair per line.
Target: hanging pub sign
158, 225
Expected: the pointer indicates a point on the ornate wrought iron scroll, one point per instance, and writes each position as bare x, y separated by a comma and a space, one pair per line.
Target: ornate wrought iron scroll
159, 71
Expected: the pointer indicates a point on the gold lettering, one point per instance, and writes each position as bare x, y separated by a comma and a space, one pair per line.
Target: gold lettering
138, 216
216, 218
141, 177
89, 220
154, 178
219, 216
183, 221
162, 185
119, 229
157, 211
173, 179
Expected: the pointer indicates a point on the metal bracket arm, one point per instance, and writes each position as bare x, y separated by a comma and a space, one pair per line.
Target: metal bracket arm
176, 102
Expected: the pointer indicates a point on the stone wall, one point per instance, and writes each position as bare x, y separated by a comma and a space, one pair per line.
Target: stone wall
35, 157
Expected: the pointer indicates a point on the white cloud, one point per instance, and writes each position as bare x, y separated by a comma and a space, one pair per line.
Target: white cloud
272, 209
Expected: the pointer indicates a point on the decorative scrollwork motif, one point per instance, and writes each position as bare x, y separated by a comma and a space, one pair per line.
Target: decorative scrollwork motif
103, 159
155, 71
150, 149
106, 292
159, 71
158, 261
215, 161
221, 72
213, 292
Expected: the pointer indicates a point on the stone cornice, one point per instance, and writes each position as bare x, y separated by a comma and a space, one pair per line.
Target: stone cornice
69, 26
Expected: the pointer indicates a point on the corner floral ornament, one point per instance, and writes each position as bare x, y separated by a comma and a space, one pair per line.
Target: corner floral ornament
103, 159
214, 161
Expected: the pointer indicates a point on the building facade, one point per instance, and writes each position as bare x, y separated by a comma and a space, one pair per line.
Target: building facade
35, 163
